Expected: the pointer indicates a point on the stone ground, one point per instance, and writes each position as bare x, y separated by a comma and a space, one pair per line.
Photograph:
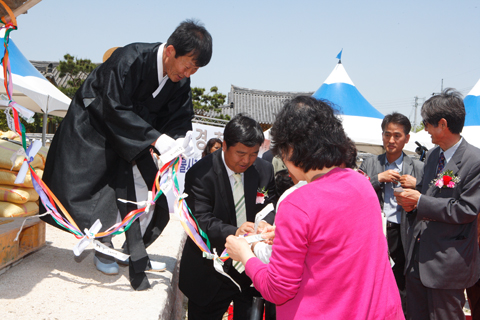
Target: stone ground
54, 284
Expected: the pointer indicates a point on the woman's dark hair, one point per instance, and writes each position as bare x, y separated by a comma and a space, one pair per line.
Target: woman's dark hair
351, 160
209, 146
283, 182
192, 37
397, 118
307, 133
243, 129
447, 105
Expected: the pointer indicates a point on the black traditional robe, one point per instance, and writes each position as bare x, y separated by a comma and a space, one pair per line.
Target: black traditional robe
110, 125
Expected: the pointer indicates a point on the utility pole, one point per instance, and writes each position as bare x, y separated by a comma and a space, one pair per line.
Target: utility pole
415, 108
415, 114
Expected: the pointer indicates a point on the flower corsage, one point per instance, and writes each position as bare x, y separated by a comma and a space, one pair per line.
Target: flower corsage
446, 179
261, 194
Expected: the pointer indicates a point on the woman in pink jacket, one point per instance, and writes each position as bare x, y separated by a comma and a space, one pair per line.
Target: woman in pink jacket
329, 258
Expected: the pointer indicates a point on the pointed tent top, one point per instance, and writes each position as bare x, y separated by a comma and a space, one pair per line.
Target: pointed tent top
472, 106
339, 56
340, 90
339, 75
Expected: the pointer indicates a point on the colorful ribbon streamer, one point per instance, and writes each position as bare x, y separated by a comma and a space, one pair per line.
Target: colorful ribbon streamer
165, 179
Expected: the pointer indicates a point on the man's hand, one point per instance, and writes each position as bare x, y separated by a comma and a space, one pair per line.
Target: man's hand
408, 181
389, 176
269, 235
408, 199
262, 225
246, 227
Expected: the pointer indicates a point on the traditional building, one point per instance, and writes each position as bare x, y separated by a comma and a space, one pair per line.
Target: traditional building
261, 105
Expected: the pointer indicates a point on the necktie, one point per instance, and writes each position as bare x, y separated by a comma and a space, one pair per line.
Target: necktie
239, 199
441, 163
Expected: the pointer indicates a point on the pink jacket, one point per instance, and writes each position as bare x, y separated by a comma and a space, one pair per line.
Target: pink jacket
329, 257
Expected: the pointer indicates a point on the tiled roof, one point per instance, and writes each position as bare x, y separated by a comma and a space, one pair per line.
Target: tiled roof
49, 69
259, 104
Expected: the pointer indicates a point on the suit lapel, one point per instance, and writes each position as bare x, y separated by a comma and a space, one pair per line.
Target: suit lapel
453, 164
224, 186
407, 165
251, 179
381, 163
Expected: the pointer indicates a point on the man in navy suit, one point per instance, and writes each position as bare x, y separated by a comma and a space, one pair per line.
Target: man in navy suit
210, 185
442, 254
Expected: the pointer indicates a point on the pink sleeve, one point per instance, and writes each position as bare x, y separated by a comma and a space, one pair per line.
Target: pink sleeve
279, 280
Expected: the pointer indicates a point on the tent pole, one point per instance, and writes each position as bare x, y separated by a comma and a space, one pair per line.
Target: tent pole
45, 122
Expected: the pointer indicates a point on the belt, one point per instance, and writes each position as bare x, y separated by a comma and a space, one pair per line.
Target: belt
392, 225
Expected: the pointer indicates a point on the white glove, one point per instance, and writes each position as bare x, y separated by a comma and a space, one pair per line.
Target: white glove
188, 145
165, 143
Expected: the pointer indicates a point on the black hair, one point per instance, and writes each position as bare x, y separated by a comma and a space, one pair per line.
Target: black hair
283, 182
351, 159
209, 146
447, 105
191, 37
307, 133
399, 119
243, 129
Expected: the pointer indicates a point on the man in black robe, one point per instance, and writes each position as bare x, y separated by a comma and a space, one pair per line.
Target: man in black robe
139, 99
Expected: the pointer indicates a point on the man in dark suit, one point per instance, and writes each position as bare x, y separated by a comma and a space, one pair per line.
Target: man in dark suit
211, 188
442, 247
386, 171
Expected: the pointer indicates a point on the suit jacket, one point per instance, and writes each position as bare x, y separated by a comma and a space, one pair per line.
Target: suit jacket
210, 199
446, 221
374, 165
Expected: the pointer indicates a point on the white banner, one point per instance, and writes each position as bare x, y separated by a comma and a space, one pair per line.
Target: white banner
201, 134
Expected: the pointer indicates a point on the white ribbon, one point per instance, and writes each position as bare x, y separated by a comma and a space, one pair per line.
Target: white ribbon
218, 265
22, 111
10, 121
88, 238
30, 155
170, 155
100, 247
18, 153
262, 214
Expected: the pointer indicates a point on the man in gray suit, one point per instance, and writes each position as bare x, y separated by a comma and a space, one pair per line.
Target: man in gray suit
386, 171
442, 245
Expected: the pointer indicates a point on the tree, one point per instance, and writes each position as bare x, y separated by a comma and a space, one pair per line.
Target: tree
205, 103
77, 70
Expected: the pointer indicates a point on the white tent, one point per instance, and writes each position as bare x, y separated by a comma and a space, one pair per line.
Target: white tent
471, 130
361, 121
421, 137
31, 89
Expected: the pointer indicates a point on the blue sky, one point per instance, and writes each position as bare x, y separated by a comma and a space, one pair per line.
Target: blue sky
392, 50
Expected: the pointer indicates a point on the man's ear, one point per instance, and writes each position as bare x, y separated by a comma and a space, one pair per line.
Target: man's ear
443, 124
224, 146
170, 51
407, 138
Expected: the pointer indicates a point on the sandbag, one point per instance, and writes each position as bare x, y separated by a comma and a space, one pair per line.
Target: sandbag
10, 135
17, 194
8, 177
8, 209
7, 149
